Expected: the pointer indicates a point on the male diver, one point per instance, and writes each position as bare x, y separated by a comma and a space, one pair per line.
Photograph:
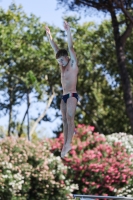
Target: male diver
69, 72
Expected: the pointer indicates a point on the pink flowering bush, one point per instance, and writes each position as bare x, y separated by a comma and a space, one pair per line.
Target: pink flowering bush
95, 165
30, 171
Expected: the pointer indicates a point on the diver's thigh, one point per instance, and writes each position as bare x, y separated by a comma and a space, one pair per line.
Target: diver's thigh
63, 108
71, 106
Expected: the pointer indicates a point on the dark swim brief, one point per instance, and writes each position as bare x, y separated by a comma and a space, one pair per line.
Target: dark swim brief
66, 96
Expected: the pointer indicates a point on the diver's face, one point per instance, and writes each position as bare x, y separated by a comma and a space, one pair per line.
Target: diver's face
63, 60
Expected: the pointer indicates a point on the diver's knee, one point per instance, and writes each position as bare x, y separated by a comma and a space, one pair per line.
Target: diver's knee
70, 119
64, 121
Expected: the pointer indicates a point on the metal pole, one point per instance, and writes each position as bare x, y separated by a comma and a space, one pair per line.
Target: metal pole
88, 197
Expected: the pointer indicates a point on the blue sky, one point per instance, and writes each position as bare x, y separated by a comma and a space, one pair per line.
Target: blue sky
46, 10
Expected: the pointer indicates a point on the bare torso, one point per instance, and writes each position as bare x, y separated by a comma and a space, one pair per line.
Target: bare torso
69, 78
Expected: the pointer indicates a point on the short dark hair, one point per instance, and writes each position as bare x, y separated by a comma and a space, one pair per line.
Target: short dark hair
61, 52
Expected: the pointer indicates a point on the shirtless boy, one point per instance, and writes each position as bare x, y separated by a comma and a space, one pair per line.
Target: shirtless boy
69, 72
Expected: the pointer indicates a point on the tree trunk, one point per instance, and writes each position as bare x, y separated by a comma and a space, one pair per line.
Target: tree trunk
28, 124
10, 120
26, 113
21, 126
10, 92
42, 115
121, 60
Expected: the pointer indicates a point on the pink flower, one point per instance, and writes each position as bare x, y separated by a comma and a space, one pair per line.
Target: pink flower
84, 190
93, 183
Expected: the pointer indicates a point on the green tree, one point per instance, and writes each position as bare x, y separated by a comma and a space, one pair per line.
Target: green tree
28, 66
23, 61
114, 8
101, 102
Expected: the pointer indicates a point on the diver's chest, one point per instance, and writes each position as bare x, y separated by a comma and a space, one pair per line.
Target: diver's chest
66, 73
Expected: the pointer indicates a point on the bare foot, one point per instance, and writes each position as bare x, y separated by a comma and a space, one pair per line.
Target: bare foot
65, 150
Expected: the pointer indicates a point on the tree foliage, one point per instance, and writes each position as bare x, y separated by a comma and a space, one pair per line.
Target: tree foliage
23, 61
28, 66
99, 85
114, 8
104, 5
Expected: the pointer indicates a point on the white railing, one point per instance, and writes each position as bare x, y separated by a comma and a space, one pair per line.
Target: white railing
92, 197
